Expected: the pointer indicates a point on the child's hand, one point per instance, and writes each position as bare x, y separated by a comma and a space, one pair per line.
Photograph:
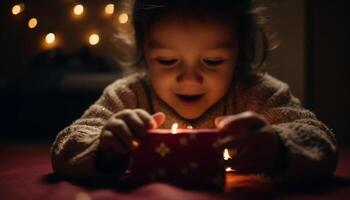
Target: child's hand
251, 142
120, 133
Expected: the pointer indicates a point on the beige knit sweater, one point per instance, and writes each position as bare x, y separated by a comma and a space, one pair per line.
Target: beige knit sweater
310, 146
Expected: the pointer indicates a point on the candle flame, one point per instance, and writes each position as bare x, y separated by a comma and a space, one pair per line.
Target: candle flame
229, 169
226, 155
190, 127
174, 128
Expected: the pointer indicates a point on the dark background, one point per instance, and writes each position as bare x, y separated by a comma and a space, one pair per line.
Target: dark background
43, 90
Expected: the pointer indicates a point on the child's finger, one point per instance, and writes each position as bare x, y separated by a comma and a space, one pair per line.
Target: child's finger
147, 119
109, 141
159, 118
121, 131
225, 142
241, 122
134, 122
217, 120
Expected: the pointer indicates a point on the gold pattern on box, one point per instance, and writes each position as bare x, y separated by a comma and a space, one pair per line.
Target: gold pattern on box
162, 149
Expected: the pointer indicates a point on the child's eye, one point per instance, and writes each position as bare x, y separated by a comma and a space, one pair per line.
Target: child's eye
166, 62
213, 62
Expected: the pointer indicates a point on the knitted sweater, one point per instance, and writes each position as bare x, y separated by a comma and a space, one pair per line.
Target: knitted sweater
309, 146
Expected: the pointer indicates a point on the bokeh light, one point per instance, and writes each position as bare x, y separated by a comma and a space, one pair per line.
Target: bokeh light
123, 18
78, 9
32, 23
50, 38
109, 9
94, 39
18, 8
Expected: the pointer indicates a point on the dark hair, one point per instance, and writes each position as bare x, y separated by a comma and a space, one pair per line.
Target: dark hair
249, 21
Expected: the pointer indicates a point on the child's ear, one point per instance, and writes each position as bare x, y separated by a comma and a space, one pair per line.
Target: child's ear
159, 117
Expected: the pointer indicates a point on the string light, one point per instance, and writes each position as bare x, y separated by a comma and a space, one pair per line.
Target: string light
123, 18
18, 8
50, 38
78, 9
109, 9
94, 39
32, 23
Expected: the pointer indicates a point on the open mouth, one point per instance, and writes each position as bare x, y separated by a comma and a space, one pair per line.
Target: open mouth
190, 98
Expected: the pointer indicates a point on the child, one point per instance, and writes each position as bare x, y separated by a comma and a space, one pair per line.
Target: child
197, 58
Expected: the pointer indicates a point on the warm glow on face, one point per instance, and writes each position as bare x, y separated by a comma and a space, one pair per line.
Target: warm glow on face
78, 9
50, 38
32, 23
174, 128
94, 39
123, 18
180, 56
16, 9
109, 9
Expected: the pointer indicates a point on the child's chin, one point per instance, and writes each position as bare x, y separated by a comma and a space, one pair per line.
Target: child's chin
190, 115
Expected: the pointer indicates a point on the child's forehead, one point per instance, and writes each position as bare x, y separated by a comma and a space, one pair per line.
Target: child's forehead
176, 16
158, 43
212, 32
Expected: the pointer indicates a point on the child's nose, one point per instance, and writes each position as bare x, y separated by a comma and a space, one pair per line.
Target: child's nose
190, 75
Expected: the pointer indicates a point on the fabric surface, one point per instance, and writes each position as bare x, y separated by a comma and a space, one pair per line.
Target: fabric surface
26, 173
310, 146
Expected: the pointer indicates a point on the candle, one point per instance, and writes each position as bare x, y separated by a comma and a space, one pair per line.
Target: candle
184, 157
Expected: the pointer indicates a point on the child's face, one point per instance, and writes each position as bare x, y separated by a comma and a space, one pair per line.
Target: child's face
191, 63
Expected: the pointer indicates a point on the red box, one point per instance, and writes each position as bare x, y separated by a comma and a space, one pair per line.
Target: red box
186, 158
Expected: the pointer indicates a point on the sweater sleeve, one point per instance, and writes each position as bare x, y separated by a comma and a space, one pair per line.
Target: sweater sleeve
73, 153
309, 147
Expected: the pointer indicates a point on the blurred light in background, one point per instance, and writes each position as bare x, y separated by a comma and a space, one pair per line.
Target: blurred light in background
32, 23
50, 38
109, 9
51, 34
78, 10
94, 39
123, 18
18, 8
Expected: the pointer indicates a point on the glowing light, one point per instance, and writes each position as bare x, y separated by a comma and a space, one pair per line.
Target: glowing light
50, 38
135, 143
174, 128
78, 9
229, 169
226, 155
123, 18
32, 23
94, 39
189, 127
18, 8
109, 9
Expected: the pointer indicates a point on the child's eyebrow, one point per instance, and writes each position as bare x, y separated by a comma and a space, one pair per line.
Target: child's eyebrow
222, 45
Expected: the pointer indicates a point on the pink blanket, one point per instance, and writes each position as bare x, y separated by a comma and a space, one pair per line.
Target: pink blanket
26, 173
